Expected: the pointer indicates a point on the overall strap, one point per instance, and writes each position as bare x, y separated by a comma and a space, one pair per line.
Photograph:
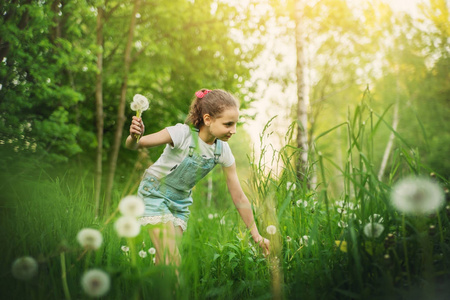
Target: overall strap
194, 141
218, 150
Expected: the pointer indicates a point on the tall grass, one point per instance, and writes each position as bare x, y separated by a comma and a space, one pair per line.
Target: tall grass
319, 251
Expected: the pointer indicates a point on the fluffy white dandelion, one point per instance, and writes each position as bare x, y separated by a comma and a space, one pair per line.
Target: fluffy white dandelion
152, 251
132, 206
24, 268
127, 226
376, 218
210, 216
373, 230
301, 202
290, 186
142, 254
95, 283
342, 224
417, 196
271, 229
89, 238
305, 240
125, 249
288, 239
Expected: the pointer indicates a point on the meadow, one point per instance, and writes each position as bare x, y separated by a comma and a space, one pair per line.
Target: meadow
352, 243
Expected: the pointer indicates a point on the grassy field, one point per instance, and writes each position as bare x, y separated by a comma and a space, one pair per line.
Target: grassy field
354, 244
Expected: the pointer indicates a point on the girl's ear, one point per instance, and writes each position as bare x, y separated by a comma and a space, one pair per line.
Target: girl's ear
207, 119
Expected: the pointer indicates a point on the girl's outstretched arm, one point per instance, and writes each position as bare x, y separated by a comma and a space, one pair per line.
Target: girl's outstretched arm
146, 141
243, 206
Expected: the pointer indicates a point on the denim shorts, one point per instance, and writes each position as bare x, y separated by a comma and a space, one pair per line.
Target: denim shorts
164, 203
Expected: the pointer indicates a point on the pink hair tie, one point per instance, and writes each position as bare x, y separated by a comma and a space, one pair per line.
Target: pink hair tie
201, 94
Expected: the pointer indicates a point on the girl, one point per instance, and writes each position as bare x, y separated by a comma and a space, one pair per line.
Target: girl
189, 155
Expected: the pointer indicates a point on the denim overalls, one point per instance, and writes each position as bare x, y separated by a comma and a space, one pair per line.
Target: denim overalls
168, 198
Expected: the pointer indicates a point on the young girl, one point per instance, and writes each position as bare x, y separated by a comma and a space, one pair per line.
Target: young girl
189, 155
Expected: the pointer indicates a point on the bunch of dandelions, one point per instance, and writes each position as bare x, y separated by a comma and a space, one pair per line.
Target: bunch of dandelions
127, 225
140, 104
417, 196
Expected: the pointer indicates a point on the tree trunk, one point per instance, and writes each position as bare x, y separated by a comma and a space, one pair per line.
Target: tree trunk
121, 110
302, 100
99, 109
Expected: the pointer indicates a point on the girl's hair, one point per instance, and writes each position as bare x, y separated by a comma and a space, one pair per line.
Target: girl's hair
212, 102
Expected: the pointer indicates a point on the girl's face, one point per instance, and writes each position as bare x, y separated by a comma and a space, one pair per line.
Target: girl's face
224, 126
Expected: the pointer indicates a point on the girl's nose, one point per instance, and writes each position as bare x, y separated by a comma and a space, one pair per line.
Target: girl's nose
233, 129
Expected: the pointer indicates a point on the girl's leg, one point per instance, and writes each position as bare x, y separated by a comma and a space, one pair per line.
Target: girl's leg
166, 238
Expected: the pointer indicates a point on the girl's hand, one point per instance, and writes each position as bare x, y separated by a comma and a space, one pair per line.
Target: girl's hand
264, 244
137, 127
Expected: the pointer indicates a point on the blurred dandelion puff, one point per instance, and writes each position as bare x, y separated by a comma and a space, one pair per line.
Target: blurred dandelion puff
290, 186
417, 196
142, 254
152, 251
305, 240
132, 206
342, 224
127, 226
95, 283
271, 229
376, 218
24, 268
301, 202
373, 229
89, 238
125, 249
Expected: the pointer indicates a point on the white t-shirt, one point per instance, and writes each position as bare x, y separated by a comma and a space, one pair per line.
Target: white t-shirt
172, 156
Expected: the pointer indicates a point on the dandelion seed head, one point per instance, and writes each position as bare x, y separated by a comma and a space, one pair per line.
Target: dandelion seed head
89, 238
95, 283
271, 229
24, 268
142, 254
342, 224
305, 240
210, 216
373, 230
288, 239
290, 186
132, 206
417, 196
125, 248
127, 226
152, 251
301, 202
376, 218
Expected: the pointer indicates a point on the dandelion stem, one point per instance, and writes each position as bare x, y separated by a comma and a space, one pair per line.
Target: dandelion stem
132, 251
441, 235
405, 250
112, 216
64, 277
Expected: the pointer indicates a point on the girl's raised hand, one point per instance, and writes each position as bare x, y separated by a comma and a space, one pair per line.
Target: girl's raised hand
264, 244
137, 127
